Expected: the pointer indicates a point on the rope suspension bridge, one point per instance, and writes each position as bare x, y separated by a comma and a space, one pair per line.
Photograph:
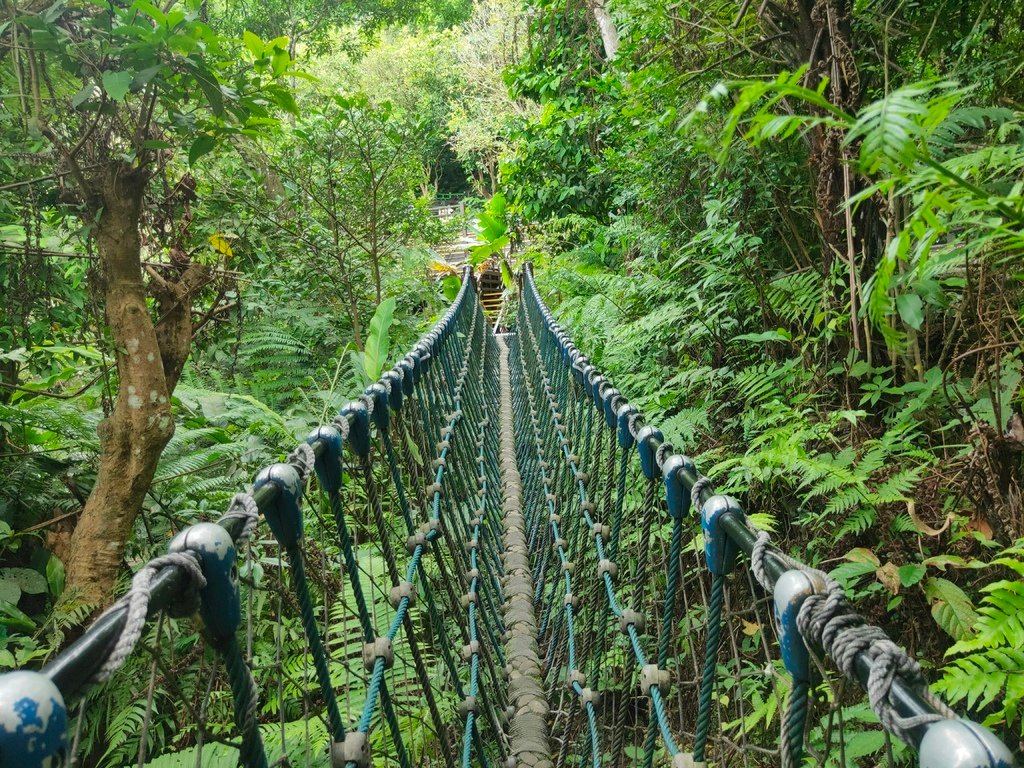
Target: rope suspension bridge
561, 588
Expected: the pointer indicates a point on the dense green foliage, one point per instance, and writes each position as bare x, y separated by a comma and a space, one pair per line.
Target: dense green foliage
293, 152
791, 232
804, 264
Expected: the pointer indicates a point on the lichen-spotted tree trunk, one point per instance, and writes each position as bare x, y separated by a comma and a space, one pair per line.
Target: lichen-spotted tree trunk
149, 357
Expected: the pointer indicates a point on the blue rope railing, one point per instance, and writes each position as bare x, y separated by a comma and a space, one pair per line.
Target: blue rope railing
425, 400
565, 398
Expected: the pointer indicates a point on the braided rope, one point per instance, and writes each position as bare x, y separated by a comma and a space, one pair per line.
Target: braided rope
663, 450
342, 425
368, 402
794, 721
243, 692
243, 507
703, 484
635, 422
137, 602
828, 621
304, 459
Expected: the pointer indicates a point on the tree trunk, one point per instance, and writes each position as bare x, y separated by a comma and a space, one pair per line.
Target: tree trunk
817, 33
374, 252
609, 34
134, 435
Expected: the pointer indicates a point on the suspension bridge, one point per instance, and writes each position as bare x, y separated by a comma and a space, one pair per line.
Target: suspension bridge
563, 588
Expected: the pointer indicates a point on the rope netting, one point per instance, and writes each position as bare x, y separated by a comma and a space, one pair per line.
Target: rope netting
657, 649
399, 618
516, 570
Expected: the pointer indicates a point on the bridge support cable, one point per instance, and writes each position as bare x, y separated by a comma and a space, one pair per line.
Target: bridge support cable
446, 389
703, 608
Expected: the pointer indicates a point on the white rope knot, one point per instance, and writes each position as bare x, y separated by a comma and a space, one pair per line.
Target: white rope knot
633, 422
368, 402
659, 455
243, 507
304, 458
757, 555
617, 402
137, 604
342, 425
699, 487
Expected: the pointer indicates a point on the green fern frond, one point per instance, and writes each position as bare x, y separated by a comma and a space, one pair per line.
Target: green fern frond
858, 522
980, 678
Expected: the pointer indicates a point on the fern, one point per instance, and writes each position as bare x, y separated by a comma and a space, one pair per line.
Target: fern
980, 678
121, 731
988, 671
855, 524
275, 363
797, 297
889, 130
1000, 618
213, 756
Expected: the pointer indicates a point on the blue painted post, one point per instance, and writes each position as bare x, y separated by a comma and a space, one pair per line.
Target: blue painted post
33, 721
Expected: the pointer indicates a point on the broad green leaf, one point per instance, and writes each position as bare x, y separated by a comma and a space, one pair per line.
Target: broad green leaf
862, 555
850, 574
203, 144
451, 286
778, 335
490, 227
253, 44
13, 618
278, 43
10, 592
28, 581
497, 204
951, 608
210, 86
375, 354
144, 76
506, 277
55, 575
414, 450
116, 84
911, 574
87, 92
150, 10
279, 62
284, 98
911, 309
478, 254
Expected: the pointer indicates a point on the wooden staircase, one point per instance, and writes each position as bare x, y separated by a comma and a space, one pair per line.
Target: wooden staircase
491, 292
